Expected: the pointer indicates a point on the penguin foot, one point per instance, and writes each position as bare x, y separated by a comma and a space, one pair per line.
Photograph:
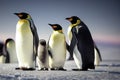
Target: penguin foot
92, 67
62, 69
70, 58
43, 69
24, 68
52, 69
17, 68
58, 69
80, 69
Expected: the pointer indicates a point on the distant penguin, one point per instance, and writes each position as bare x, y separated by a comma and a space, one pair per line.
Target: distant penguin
11, 50
81, 44
57, 48
26, 41
42, 56
98, 57
2, 55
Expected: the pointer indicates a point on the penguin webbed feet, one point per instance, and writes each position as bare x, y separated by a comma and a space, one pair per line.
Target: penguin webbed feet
58, 69
24, 69
43, 69
70, 58
80, 69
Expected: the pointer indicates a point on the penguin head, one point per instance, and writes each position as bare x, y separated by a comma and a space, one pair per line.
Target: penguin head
56, 27
23, 15
8, 40
42, 42
74, 20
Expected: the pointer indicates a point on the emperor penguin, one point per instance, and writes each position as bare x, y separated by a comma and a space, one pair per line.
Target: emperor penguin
2, 53
10, 50
57, 48
26, 41
42, 57
81, 44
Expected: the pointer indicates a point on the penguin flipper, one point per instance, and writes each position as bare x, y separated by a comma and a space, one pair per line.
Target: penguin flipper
6, 54
73, 41
35, 37
68, 49
49, 52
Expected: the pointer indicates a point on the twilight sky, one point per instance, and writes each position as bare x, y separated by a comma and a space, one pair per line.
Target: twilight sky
101, 16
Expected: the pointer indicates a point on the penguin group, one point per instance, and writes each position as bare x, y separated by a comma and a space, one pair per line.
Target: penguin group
29, 51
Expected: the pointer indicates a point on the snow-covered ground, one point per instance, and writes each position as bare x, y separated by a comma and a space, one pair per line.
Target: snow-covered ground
108, 70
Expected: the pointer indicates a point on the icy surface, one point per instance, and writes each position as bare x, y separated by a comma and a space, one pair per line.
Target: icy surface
108, 70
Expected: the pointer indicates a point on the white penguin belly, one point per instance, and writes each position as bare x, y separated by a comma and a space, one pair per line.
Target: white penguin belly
58, 50
24, 45
77, 57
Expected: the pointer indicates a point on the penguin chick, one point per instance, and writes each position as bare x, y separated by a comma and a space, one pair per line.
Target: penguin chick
57, 48
42, 56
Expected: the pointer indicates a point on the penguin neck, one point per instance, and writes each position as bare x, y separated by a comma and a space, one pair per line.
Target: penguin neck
58, 31
31, 21
76, 24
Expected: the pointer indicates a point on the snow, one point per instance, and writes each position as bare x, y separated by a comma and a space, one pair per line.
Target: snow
108, 70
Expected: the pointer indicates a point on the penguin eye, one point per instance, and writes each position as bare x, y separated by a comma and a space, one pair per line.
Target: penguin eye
70, 19
20, 15
54, 27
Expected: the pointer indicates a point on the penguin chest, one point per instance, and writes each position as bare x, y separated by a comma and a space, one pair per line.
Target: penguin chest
58, 46
69, 33
24, 42
24, 37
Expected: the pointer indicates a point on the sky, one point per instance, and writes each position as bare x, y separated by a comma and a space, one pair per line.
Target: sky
101, 16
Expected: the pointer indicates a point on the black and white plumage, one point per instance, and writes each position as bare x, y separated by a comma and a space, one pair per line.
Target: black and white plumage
42, 57
57, 48
81, 44
26, 38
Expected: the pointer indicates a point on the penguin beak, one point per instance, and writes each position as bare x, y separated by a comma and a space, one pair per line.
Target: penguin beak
69, 19
19, 15
53, 26
16, 13
50, 24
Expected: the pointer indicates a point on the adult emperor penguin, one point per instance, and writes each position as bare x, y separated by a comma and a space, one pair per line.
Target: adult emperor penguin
81, 44
57, 48
42, 57
26, 41
10, 50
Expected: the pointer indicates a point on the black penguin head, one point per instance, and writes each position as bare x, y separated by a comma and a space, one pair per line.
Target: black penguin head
42, 42
8, 40
73, 19
23, 15
56, 27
